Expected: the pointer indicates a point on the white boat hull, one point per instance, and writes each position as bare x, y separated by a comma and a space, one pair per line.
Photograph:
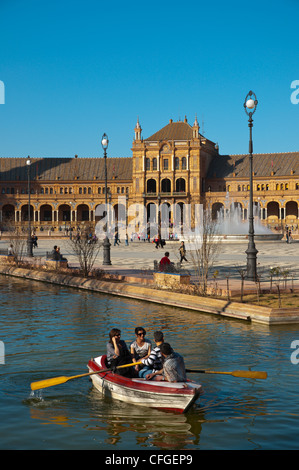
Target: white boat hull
160, 395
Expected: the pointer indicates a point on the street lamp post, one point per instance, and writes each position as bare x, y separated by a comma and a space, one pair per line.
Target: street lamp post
106, 244
250, 105
159, 217
29, 238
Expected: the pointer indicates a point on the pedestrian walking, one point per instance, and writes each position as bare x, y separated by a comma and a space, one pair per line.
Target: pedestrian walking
116, 238
182, 251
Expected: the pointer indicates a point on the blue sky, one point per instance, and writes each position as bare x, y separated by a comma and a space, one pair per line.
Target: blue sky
76, 69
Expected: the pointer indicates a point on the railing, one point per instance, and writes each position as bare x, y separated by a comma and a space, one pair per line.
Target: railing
261, 193
167, 194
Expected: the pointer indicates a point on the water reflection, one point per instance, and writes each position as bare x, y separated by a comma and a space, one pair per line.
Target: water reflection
114, 420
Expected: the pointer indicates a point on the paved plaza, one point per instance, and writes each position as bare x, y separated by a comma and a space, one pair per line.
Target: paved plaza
138, 257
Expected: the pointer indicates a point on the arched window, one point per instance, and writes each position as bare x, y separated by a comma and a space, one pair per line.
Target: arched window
184, 163
151, 186
176, 163
180, 185
154, 163
166, 186
147, 164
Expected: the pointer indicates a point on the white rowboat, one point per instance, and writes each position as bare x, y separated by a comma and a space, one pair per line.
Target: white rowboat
170, 396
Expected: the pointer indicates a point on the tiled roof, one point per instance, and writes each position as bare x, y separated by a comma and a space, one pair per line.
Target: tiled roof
173, 131
223, 166
65, 169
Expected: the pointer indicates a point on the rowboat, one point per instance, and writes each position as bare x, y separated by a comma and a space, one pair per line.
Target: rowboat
168, 396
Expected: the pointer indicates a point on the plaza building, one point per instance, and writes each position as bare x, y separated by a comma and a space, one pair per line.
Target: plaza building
175, 165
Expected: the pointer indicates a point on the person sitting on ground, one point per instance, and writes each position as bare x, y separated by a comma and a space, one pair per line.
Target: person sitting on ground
55, 255
173, 365
118, 354
153, 364
60, 257
140, 348
165, 262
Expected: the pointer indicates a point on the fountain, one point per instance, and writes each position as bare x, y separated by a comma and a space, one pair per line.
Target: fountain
232, 226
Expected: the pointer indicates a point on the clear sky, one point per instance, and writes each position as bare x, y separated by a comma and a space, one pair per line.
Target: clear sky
73, 70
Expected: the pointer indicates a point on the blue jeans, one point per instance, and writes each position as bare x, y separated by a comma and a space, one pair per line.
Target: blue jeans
144, 371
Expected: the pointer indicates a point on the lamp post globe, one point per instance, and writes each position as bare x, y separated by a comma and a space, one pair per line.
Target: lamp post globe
105, 141
250, 104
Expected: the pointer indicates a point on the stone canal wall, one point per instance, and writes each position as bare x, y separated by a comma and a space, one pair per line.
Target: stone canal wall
135, 290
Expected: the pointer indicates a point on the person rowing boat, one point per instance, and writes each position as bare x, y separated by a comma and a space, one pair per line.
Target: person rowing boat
173, 369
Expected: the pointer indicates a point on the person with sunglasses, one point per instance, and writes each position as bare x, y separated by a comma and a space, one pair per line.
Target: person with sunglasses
140, 348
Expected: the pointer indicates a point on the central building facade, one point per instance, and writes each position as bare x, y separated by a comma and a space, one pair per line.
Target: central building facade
175, 165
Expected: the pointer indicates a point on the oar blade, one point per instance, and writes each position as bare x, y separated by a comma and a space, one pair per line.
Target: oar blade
250, 374
244, 374
48, 383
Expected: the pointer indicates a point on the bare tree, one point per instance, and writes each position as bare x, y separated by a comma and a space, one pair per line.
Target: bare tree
17, 240
276, 273
242, 271
205, 247
86, 249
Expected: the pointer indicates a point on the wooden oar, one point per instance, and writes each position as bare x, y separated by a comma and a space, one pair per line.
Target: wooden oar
245, 374
61, 380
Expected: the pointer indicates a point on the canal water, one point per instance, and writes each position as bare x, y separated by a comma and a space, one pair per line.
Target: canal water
49, 331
